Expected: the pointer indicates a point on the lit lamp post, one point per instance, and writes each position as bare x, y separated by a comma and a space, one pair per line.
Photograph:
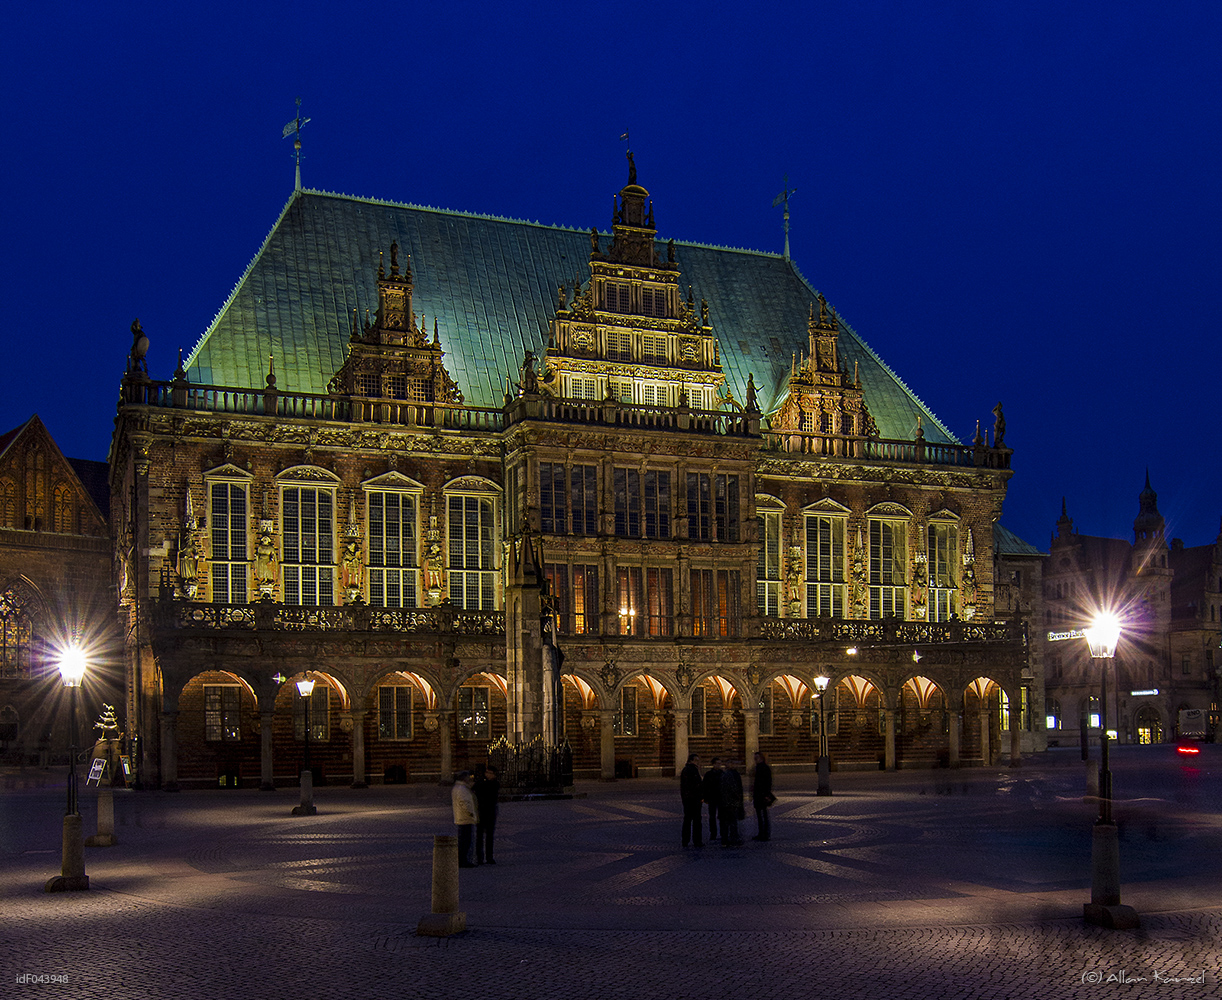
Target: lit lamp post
305, 688
1105, 908
825, 765
71, 672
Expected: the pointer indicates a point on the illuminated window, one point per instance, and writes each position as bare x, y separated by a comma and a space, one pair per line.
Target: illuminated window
825, 582
227, 523
393, 576
395, 712
222, 713
619, 345
943, 553
575, 597
712, 506
63, 510
888, 563
474, 722
716, 605
646, 600
472, 567
768, 566
1003, 711
653, 349
8, 503
308, 527
582, 388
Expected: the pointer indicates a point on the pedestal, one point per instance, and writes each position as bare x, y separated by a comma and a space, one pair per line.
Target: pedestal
307, 796
105, 837
1105, 908
445, 918
73, 875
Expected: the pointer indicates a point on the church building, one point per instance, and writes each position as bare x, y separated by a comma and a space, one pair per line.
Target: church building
483, 479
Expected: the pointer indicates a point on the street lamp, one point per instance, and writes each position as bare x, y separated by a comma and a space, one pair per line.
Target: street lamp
1105, 908
305, 688
72, 663
825, 782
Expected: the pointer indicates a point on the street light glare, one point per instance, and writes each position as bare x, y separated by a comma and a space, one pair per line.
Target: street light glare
72, 666
1102, 636
305, 687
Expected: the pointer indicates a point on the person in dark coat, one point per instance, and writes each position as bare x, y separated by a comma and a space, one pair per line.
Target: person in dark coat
731, 809
487, 796
691, 791
762, 797
712, 794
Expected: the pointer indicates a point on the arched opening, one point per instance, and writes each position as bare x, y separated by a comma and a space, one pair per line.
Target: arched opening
923, 725
218, 732
398, 739
1149, 725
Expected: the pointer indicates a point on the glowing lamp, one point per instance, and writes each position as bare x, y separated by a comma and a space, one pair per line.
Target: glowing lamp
1102, 637
821, 683
72, 666
305, 687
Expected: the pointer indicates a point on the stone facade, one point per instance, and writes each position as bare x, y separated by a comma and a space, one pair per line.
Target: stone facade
1168, 598
626, 554
54, 590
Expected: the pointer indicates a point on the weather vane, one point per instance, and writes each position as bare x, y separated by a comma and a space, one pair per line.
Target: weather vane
781, 199
293, 128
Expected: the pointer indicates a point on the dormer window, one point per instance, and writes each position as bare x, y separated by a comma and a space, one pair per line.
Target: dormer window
618, 296
653, 301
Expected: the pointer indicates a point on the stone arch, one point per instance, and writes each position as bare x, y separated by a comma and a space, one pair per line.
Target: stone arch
1149, 725
984, 730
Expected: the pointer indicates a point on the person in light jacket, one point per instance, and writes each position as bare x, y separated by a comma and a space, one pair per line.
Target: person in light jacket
466, 815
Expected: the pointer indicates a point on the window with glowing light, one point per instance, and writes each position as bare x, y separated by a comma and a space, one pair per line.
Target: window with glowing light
307, 525
474, 720
222, 713
320, 714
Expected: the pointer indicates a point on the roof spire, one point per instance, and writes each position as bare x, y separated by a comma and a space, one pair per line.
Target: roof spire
783, 199
294, 128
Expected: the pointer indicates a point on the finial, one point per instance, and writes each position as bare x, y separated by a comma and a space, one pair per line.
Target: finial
1064, 509
271, 372
381, 268
436, 337
180, 372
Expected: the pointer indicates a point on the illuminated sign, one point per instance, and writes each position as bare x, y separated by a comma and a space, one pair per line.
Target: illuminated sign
1143, 694
1076, 633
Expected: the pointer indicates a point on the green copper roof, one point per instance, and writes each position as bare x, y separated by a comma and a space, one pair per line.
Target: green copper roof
491, 283
1006, 543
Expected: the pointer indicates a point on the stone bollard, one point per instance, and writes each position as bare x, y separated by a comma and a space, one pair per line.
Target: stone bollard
73, 867
307, 807
105, 837
446, 918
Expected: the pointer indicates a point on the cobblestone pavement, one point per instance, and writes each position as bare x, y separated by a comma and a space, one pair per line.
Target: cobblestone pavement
921, 884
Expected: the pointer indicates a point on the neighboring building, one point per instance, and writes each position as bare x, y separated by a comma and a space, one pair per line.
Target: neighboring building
1019, 593
390, 470
1169, 600
55, 559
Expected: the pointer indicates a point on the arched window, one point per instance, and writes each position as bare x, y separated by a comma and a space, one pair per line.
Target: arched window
63, 511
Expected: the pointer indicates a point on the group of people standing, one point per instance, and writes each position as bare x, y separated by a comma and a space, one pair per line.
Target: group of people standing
721, 787
475, 798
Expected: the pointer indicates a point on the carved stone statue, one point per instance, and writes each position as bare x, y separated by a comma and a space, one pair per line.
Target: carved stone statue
999, 427
190, 556
353, 571
530, 380
594, 239
631, 168
752, 404
265, 559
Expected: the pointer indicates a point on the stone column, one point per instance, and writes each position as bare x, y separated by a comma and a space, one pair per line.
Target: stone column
606, 743
986, 753
267, 764
169, 751
889, 739
445, 720
1016, 745
358, 748
954, 724
751, 733
682, 718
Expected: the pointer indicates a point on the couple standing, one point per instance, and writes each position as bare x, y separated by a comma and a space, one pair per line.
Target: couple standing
721, 787
475, 798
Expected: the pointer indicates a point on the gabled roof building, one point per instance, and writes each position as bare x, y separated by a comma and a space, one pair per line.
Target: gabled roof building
483, 478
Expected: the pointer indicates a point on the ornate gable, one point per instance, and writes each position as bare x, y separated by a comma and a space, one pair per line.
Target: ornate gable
391, 357
629, 333
823, 398
40, 490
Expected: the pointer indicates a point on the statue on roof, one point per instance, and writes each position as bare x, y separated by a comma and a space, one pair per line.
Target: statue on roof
999, 427
631, 168
752, 405
140, 347
594, 239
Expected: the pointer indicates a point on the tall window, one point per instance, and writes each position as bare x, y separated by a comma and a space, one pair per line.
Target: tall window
583, 388
320, 714
768, 568
474, 722
472, 553
395, 712
943, 552
653, 348
8, 503
627, 487
646, 600
699, 505
619, 344
392, 550
712, 504
308, 524
227, 521
576, 597
568, 503
657, 504
696, 724
63, 510
888, 560
716, 605
623, 722
825, 583
222, 713
725, 506
16, 633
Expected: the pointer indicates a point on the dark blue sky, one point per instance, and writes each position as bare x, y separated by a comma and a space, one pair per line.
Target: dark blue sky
1007, 200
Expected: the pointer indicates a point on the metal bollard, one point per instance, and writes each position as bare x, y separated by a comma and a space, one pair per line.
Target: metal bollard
446, 918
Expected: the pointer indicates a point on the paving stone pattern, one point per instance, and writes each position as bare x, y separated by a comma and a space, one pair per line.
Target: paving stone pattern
906, 885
